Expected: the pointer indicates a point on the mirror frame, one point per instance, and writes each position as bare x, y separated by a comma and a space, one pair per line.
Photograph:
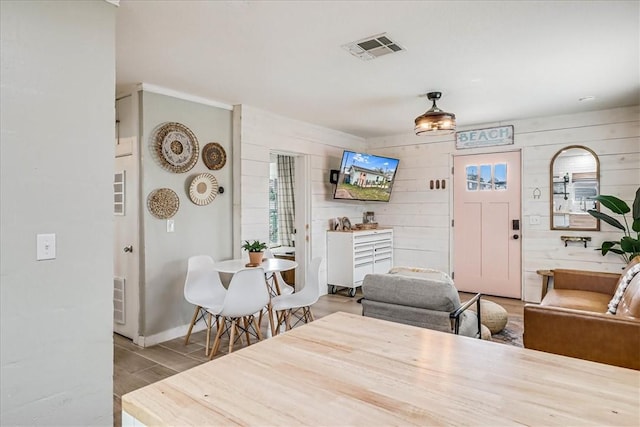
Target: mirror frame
551, 212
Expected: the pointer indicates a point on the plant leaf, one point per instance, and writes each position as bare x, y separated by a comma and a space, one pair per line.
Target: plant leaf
629, 244
614, 204
636, 206
617, 251
636, 225
606, 247
606, 218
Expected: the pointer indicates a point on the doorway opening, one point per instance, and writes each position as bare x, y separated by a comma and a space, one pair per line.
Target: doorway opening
289, 210
282, 201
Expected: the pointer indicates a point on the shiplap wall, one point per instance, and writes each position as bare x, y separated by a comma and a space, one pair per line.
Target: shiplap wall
421, 217
256, 134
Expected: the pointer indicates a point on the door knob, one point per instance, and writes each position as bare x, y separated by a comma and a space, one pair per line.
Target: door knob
128, 248
516, 237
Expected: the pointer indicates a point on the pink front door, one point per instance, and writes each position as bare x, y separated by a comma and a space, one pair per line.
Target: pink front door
487, 228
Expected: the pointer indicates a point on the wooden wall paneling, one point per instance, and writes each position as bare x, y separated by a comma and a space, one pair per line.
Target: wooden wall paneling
614, 115
612, 134
263, 132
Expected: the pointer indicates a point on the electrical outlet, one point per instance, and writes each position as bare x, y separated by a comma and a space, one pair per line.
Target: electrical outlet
170, 226
534, 220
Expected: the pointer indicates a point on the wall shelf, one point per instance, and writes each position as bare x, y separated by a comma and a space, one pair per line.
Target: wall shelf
583, 239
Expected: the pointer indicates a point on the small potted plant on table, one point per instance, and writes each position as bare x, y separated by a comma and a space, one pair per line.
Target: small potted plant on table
255, 250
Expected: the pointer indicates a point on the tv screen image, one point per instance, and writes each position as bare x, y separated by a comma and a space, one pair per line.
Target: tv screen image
365, 177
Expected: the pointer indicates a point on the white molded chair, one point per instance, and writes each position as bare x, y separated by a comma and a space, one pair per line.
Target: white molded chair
285, 288
286, 306
246, 296
203, 288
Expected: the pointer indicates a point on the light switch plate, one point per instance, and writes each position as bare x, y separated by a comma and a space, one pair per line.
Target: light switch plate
45, 246
170, 226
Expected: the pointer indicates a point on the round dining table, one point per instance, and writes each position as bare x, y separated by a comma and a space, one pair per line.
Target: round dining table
270, 266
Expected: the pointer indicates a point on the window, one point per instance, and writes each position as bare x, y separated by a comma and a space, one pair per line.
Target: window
472, 178
500, 176
490, 177
486, 181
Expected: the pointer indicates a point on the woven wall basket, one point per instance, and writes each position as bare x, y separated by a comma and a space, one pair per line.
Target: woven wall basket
214, 156
163, 203
203, 189
176, 147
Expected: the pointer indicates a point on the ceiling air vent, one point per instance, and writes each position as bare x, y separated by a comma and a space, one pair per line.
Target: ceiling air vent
373, 47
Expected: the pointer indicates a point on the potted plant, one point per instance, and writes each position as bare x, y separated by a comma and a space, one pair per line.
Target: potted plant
255, 250
629, 245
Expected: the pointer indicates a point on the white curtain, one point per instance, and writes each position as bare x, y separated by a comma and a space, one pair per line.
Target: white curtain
286, 200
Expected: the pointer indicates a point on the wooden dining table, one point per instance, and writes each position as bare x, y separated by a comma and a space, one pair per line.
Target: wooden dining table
344, 369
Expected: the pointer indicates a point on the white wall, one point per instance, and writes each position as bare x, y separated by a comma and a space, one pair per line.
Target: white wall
421, 217
199, 230
256, 133
57, 124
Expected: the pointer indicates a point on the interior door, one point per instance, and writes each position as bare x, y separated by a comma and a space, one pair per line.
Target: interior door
126, 250
486, 227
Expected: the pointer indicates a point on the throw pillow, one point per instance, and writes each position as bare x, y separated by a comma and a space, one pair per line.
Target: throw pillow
622, 286
426, 273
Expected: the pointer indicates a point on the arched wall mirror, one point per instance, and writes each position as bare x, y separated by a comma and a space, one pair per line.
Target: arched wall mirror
575, 181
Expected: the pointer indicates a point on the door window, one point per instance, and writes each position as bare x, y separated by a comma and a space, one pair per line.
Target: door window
491, 177
486, 181
472, 178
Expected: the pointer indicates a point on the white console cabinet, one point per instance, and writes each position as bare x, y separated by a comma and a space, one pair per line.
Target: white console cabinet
353, 254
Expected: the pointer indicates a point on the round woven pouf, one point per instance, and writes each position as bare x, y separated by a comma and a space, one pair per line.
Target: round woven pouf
493, 315
486, 333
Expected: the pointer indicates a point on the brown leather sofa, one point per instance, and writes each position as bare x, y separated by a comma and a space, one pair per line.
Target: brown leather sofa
572, 318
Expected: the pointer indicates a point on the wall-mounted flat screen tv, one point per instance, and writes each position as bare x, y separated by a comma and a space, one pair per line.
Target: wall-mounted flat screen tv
365, 177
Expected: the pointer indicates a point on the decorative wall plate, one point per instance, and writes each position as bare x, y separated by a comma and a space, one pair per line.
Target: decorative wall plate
163, 203
214, 156
203, 189
176, 147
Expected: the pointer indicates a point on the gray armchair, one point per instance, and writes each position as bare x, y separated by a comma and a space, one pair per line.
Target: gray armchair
420, 297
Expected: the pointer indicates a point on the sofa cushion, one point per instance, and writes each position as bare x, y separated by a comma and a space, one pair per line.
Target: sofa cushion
425, 273
577, 300
431, 293
469, 324
414, 316
629, 305
424, 318
623, 283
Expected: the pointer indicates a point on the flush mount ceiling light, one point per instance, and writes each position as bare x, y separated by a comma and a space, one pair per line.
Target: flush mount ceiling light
435, 121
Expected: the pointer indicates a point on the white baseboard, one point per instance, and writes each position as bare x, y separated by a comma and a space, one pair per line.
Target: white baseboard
169, 334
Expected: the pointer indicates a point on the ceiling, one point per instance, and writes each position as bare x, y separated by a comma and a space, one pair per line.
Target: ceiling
492, 60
